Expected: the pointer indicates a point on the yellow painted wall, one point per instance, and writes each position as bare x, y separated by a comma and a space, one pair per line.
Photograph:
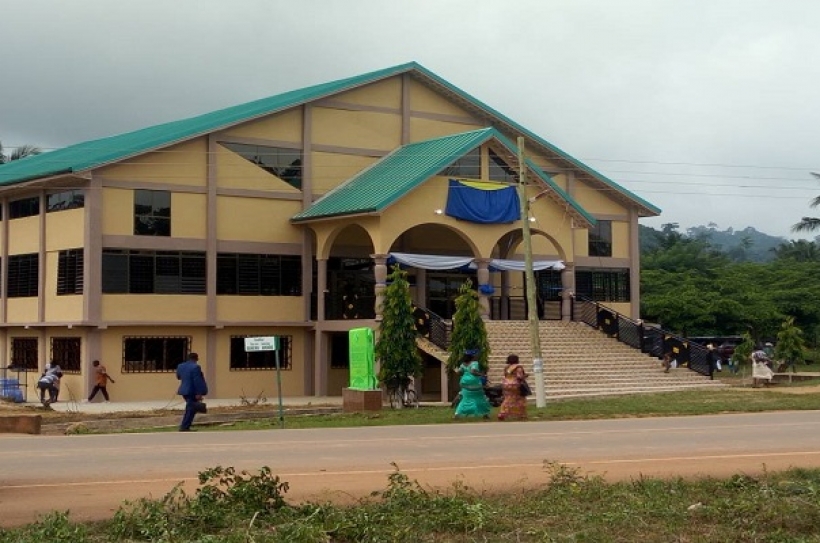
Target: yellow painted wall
66, 308
260, 308
332, 169
366, 129
118, 212
425, 99
183, 164
581, 242
419, 207
24, 235
160, 308
131, 387
595, 200
250, 383
286, 126
65, 229
257, 219
425, 129
22, 310
337, 379
620, 239
382, 94
188, 215
233, 171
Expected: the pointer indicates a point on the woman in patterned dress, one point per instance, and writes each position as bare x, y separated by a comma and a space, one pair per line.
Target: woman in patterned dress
515, 404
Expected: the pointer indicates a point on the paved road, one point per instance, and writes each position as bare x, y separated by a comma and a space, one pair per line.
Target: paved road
91, 475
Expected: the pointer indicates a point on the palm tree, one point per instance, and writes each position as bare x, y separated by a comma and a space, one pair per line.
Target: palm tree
20, 152
809, 224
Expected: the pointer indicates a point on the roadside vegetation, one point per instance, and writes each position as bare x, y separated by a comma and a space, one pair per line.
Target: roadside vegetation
233, 507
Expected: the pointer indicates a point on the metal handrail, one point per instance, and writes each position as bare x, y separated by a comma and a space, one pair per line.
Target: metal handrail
649, 339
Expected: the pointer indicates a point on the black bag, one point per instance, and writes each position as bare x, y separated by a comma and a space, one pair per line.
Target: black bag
524, 388
200, 407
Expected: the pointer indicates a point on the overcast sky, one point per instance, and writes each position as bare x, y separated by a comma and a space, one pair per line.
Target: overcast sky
707, 108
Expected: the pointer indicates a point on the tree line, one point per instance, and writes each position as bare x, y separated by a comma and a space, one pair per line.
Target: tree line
691, 287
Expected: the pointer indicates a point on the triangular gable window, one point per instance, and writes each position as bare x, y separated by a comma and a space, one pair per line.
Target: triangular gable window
468, 166
286, 164
499, 170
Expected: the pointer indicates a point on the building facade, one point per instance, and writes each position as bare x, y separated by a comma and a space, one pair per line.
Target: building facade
282, 217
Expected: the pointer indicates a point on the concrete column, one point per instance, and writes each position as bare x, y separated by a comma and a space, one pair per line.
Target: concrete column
421, 287
634, 265
568, 289
380, 273
321, 288
320, 363
483, 277
505, 295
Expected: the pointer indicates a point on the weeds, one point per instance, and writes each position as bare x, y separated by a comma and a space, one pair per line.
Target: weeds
234, 507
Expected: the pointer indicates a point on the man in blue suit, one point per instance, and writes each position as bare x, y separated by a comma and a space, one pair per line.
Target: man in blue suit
192, 388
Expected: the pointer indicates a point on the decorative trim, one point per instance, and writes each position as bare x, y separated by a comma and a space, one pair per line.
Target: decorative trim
446, 118
258, 247
155, 243
349, 106
357, 151
253, 193
221, 137
405, 109
610, 217
146, 185
601, 262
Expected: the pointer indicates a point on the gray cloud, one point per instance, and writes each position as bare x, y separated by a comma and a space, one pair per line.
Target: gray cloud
653, 94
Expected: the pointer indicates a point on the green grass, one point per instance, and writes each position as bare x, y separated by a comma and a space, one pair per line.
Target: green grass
234, 507
693, 402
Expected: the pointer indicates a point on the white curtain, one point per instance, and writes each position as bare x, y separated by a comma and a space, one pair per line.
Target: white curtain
438, 262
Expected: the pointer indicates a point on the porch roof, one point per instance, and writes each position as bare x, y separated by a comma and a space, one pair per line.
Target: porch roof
405, 168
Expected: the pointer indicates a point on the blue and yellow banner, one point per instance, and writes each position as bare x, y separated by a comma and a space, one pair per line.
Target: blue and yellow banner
482, 202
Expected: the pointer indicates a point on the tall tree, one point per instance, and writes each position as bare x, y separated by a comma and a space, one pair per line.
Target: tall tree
469, 332
791, 347
396, 348
800, 250
809, 224
19, 152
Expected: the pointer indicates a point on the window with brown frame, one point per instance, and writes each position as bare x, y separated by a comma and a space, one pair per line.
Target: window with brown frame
65, 352
24, 353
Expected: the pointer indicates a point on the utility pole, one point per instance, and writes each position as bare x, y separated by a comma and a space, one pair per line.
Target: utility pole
529, 278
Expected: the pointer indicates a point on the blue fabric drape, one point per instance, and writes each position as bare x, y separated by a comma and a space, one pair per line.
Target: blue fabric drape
482, 206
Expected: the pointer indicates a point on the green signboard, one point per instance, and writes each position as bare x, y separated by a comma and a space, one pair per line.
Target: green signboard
362, 359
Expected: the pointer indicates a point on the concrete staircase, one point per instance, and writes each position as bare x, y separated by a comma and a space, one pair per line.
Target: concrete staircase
582, 361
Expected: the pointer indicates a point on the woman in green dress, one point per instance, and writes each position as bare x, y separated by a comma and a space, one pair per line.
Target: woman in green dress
473, 400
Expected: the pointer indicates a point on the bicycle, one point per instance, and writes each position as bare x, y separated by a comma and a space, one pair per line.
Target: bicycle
402, 394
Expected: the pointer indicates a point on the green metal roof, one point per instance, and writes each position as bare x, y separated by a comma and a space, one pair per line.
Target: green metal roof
404, 169
95, 153
92, 154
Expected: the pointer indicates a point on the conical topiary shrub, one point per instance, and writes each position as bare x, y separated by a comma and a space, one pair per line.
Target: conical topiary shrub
469, 332
396, 345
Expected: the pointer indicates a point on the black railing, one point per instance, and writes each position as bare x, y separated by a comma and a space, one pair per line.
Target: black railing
648, 339
440, 331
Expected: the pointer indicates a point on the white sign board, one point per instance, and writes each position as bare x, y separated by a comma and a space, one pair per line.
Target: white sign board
268, 343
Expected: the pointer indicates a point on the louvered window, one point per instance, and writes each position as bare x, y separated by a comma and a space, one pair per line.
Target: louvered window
70, 272
258, 275
23, 275
153, 272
